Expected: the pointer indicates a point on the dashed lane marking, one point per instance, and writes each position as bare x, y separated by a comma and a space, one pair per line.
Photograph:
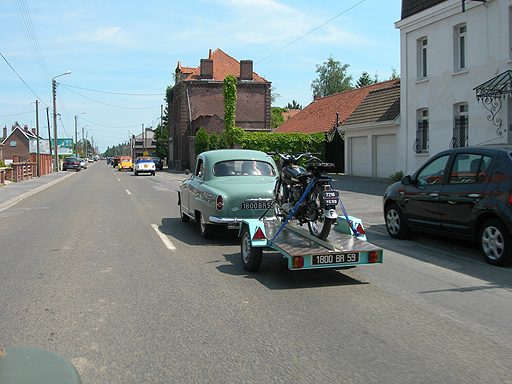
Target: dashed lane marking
128, 192
164, 238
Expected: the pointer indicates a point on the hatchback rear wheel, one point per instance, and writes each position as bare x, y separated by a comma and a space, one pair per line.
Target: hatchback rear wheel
495, 242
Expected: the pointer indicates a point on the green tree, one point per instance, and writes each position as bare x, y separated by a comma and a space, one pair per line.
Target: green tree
202, 143
229, 93
394, 74
364, 80
293, 105
162, 141
332, 78
214, 141
276, 117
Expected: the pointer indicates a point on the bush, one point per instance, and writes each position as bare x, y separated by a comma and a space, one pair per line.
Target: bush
397, 176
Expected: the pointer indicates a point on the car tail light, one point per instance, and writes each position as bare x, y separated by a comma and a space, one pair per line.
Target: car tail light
373, 257
510, 198
259, 235
219, 204
298, 262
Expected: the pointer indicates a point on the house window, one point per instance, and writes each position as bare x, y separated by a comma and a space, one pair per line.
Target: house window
460, 48
13, 143
421, 143
422, 58
460, 127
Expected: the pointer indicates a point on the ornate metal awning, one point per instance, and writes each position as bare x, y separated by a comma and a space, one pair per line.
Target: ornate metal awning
491, 94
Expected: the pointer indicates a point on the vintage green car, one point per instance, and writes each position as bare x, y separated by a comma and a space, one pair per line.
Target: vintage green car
226, 186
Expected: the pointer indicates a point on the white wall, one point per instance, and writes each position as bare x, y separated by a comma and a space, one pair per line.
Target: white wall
488, 46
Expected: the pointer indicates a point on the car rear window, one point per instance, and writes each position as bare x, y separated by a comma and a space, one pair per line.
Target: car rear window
243, 168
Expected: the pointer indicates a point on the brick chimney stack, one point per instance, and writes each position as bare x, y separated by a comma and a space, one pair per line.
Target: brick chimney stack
246, 70
206, 69
5, 133
25, 128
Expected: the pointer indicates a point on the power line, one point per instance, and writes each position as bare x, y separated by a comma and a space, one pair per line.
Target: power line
22, 80
31, 37
115, 93
110, 105
314, 29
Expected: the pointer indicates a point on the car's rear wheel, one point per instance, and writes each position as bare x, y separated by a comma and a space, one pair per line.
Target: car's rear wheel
206, 229
395, 222
495, 242
251, 257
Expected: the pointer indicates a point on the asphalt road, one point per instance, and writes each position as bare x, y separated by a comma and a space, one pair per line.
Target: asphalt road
100, 269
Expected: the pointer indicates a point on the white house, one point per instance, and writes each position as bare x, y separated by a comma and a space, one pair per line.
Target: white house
456, 66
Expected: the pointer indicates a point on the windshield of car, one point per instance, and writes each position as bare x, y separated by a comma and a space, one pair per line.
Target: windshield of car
243, 168
125, 160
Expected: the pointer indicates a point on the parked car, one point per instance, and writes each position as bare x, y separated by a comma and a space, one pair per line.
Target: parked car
219, 192
125, 163
464, 193
83, 163
71, 163
144, 165
158, 163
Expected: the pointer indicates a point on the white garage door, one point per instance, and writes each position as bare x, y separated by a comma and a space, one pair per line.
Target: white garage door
386, 155
359, 160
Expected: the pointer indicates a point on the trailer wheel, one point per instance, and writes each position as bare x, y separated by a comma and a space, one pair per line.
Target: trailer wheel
251, 257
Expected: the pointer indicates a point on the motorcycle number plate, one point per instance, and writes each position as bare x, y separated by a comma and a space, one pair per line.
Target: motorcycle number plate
330, 197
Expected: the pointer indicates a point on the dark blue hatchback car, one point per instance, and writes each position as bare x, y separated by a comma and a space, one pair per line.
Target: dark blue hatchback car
460, 192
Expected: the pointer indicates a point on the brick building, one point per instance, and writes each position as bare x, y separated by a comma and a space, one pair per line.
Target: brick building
197, 101
16, 144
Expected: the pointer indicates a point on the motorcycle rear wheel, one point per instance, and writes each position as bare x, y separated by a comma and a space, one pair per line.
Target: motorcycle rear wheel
321, 228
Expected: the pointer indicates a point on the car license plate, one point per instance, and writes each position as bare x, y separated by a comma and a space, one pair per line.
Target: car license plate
264, 204
330, 197
339, 258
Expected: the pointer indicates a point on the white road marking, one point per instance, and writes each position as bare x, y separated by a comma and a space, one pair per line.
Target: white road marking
164, 238
128, 192
118, 179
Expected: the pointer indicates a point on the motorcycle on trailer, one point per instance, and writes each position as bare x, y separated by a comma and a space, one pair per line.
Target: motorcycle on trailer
304, 194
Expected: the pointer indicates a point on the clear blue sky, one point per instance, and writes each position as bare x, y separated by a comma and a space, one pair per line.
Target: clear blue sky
123, 54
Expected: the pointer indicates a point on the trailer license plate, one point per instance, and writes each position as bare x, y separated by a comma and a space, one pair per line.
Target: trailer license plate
330, 197
265, 204
340, 258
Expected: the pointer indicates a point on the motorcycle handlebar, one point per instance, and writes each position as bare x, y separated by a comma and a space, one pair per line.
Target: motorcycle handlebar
292, 157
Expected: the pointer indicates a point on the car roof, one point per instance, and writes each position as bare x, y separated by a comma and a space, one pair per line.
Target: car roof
235, 154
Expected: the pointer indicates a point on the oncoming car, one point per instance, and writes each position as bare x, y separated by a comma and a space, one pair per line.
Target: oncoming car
144, 165
228, 185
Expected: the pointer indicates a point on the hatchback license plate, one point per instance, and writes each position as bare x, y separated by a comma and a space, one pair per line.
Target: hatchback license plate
339, 258
257, 204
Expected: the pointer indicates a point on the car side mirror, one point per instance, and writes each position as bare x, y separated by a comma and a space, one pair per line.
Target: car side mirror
406, 180
187, 171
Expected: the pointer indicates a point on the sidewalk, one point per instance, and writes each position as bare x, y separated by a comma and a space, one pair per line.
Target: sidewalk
361, 196
11, 193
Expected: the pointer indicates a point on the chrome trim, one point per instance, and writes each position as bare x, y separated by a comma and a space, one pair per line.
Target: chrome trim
224, 220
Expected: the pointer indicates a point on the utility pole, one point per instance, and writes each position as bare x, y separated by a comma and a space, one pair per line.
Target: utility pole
37, 134
49, 134
54, 91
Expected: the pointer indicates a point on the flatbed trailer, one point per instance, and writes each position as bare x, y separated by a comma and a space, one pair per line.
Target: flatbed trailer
343, 248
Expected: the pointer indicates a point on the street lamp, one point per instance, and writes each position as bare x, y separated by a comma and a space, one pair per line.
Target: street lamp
76, 137
54, 91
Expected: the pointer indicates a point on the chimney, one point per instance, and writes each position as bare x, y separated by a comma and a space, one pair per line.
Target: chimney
5, 133
34, 131
317, 97
246, 70
25, 128
206, 69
